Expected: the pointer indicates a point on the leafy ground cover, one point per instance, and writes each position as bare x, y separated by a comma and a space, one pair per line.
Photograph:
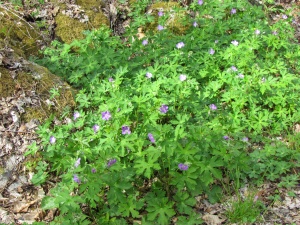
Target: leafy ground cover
163, 119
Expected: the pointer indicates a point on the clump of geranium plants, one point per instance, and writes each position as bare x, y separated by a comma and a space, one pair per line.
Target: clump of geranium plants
166, 118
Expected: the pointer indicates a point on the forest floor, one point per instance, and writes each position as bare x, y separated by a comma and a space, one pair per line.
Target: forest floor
20, 200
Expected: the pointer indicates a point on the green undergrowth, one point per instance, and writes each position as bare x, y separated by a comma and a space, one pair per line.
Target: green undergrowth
166, 118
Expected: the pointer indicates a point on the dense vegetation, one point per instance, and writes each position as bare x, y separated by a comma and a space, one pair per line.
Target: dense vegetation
163, 119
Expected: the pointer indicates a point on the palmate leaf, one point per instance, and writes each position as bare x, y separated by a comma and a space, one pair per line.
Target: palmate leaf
131, 206
160, 209
146, 167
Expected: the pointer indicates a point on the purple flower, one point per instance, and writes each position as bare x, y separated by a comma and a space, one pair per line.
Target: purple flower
233, 11
160, 13
145, 42
151, 138
195, 24
234, 68
106, 115
235, 42
284, 17
77, 163
76, 115
111, 162
52, 140
164, 108
110, 79
149, 75
93, 170
160, 27
182, 166
180, 45
126, 130
96, 128
76, 179
226, 137
213, 107
240, 75
245, 139
275, 32
200, 2
257, 32
211, 51
182, 77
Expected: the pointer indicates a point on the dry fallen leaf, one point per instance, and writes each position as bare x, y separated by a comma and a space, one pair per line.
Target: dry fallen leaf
212, 219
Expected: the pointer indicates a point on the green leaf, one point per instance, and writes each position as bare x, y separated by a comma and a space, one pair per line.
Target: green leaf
49, 203
161, 210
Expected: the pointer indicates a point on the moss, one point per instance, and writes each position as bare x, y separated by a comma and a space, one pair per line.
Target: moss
18, 34
1, 170
7, 84
69, 29
89, 4
41, 81
44, 82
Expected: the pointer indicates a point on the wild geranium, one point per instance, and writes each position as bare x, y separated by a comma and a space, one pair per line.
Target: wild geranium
240, 76
284, 17
245, 139
96, 128
126, 130
160, 13
76, 179
151, 138
76, 115
111, 162
233, 68
180, 45
184, 69
182, 166
182, 77
145, 42
77, 163
226, 137
149, 75
52, 140
106, 115
164, 108
235, 42
233, 11
160, 27
213, 107
257, 32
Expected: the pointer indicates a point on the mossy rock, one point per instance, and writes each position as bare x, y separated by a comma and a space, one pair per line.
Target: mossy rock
7, 84
90, 4
18, 34
40, 80
44, 81
68, 29
177, 23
